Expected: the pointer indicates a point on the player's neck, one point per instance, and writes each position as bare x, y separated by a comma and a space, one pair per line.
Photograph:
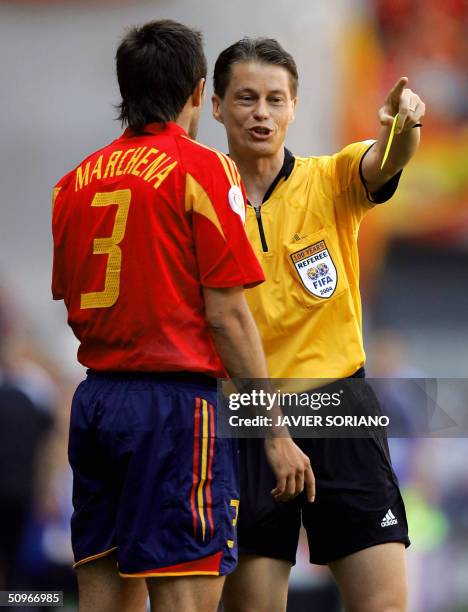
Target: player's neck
184, 119
258, 173
188, 119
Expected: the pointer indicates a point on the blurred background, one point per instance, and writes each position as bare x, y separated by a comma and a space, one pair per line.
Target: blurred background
57, 105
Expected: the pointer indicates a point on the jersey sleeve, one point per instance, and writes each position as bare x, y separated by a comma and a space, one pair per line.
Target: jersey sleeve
346, 170
348, 177
58, 272
216, 200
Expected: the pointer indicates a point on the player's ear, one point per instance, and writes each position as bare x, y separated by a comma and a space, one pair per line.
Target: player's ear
293, 110
216, 108
198, 95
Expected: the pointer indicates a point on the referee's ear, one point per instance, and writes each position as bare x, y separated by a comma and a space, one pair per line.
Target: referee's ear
198, 95
292, 115
216, 108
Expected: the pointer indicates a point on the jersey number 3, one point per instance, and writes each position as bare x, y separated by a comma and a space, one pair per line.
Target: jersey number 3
109, 246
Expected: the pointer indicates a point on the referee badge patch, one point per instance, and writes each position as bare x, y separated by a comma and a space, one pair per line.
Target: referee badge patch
316, 269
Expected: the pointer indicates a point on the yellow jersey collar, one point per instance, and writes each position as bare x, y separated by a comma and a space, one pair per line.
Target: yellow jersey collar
285, 172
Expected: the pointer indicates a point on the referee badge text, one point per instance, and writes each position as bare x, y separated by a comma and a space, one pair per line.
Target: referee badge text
316, 269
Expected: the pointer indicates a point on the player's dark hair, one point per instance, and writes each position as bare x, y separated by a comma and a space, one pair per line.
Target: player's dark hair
264, 50
158, 68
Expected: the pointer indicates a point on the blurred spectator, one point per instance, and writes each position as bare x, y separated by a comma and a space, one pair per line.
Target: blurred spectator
404, 394
27, 403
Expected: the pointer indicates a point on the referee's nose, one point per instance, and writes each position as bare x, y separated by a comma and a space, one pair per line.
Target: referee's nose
261, 112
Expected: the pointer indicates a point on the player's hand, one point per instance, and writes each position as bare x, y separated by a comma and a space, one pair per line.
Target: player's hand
291, 468
406, 103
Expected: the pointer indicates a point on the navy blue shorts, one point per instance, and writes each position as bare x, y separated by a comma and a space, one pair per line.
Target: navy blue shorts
150, 479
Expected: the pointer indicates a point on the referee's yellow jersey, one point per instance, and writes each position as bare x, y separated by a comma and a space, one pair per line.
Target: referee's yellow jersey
305, 234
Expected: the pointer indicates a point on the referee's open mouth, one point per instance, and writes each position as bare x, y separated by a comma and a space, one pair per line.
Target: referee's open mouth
260, 132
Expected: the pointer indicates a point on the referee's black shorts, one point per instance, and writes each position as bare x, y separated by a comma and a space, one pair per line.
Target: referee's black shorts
358, 502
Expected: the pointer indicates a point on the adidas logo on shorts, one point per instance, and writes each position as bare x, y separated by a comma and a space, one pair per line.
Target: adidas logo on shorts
388, 519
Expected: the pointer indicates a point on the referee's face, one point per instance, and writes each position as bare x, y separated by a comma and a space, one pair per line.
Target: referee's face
257, 109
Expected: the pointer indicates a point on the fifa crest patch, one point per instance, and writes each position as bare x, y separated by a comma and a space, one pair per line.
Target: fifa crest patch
316, 269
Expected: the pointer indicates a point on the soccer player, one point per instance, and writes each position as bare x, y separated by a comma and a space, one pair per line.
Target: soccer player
309, 317
151, 258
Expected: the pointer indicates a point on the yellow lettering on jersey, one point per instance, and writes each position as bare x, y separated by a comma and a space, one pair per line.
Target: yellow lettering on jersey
119, 170
133, 160
81, 178
109, 246
153, 167
143, 162
161, 176
111, 164
97, 170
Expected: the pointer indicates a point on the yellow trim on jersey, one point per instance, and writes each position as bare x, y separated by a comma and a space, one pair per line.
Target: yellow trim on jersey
94, 557
204, 463
55, 193
227, 168
230, 168
233, 168
198, 200
237, 176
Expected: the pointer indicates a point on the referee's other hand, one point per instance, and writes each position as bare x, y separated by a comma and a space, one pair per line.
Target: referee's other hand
291, 468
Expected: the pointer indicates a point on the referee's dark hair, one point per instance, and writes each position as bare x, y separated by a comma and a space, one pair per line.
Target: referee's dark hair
158, 67
263, 50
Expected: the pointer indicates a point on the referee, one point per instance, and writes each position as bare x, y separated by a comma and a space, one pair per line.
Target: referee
303, 222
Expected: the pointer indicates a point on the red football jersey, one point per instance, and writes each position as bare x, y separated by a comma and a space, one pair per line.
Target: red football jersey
139, 227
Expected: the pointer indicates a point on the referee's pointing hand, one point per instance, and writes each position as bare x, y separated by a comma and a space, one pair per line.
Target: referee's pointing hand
406, 103
291, 468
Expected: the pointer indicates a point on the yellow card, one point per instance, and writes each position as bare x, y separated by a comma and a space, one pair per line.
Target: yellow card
390, 140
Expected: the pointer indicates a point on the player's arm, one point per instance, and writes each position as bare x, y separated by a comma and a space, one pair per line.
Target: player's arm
240, 348
234, 332
410, 109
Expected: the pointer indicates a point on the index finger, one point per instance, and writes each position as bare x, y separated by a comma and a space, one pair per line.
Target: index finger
397, 89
